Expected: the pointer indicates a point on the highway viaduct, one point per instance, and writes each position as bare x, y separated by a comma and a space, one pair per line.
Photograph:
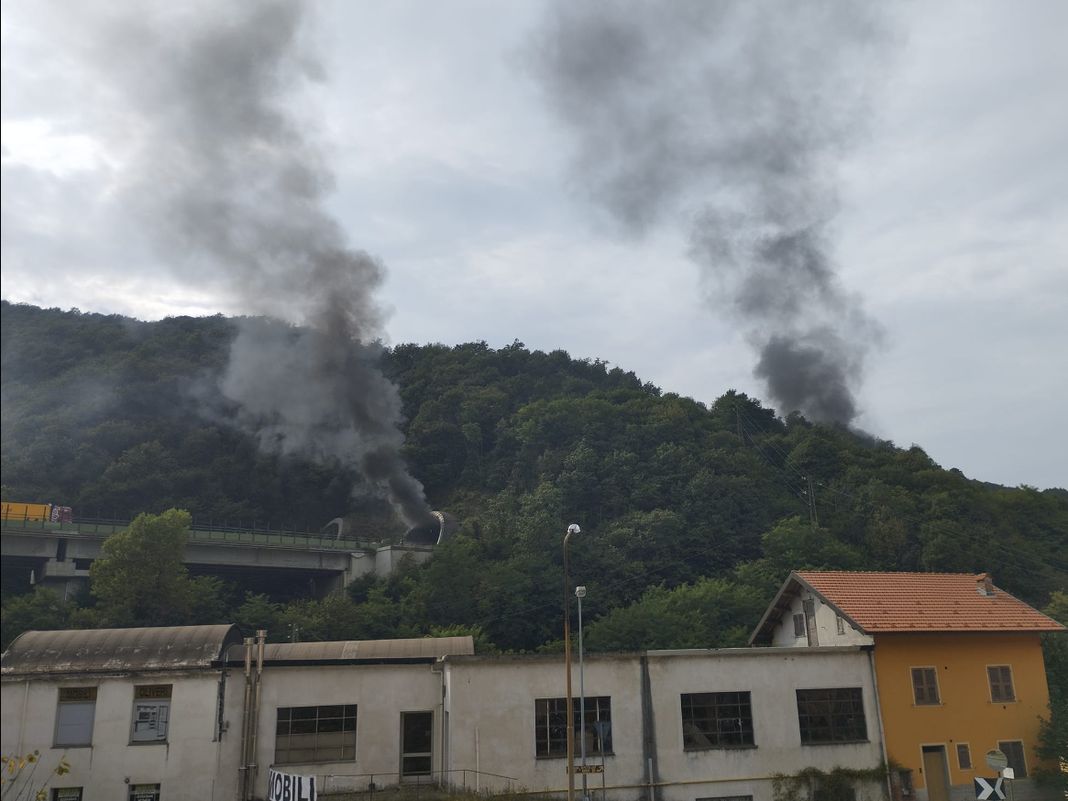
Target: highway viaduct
59, 554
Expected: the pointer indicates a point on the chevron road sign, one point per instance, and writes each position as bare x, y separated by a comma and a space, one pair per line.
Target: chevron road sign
989, 788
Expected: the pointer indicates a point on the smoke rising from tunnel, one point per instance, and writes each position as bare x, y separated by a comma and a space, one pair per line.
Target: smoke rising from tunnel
226, 176
731, 117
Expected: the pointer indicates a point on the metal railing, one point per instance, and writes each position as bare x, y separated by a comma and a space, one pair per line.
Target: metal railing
200, 531
456, 780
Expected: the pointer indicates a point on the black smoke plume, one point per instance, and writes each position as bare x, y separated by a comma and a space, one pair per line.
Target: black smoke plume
225, 174
732, 116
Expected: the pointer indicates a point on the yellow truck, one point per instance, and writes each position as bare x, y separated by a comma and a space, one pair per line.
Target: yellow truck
34, 512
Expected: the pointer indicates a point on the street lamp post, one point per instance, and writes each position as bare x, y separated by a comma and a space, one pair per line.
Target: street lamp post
572, 529
580, 593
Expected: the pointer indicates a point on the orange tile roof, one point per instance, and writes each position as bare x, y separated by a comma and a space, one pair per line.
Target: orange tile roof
887, 602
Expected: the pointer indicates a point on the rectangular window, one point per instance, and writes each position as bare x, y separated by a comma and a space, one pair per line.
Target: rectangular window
306, 734
74, 716
925, 685
964, 756
831, 716
840, 624
716, 720
151, 714
144, 792
550, 726
1014, 750
799, 625
66, 794
1000, 683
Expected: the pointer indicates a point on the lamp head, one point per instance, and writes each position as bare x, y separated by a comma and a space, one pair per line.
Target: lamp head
574, 529
580, 591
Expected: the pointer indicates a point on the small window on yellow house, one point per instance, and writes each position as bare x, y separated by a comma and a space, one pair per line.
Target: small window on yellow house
925, 685
1001, 688
1014, 751
964, 756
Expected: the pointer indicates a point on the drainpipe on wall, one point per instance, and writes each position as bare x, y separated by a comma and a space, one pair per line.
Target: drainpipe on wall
439, 668
261, 639
649, 733
220, 726
22, 717
879, 717
245, 712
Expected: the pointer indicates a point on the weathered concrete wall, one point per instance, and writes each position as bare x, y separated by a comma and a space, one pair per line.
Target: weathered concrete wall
826, 625
380, 692
188, 765
772, 677
492, 720
483, 724
491, 715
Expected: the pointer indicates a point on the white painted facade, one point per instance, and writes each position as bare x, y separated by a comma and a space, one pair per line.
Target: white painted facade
186, 765
830, 627
491, 705
483, 713
380, 693
772, 676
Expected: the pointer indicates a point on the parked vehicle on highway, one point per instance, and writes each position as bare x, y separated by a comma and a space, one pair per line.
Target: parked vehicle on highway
37, 512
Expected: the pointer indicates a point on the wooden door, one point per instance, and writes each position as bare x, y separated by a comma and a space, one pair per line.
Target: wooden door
935, 772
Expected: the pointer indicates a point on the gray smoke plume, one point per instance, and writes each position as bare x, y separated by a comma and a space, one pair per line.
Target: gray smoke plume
225, 175
730, 115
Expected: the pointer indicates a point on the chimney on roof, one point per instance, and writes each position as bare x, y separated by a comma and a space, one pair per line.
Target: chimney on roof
984, 585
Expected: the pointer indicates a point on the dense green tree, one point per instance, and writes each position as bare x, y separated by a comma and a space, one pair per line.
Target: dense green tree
116, 417
709, 613
257, 612
141, 579
40, 610
1053, 734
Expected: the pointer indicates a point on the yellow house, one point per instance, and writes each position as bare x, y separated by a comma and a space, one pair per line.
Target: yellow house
957, 662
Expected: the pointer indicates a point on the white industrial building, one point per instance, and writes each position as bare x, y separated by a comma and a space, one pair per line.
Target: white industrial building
169, 714
137, 713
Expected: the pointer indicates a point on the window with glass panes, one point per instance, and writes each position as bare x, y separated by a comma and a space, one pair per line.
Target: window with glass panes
151, 713
1014, 752
1000, 683
716, 720
924, 686
74, 716
834, 715
550, 726
307, 734
964, 756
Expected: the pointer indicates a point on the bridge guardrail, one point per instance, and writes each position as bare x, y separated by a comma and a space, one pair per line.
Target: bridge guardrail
198, 533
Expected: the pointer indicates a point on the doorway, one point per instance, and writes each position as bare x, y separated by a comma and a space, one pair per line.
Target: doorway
936, 772
417, 744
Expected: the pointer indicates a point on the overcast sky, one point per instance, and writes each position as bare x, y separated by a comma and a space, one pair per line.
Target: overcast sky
452, 170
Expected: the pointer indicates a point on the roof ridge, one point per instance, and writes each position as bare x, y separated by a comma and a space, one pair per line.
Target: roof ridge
889, 573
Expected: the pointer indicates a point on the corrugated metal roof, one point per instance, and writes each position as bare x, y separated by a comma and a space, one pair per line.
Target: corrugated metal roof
117, 650
355, 650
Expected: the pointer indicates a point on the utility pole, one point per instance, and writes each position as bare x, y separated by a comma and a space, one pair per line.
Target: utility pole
812, 515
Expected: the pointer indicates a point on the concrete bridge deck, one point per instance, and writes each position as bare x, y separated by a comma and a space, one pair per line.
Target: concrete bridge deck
60, 553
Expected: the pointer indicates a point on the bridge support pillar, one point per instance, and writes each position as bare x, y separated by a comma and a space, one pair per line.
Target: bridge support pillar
63, 578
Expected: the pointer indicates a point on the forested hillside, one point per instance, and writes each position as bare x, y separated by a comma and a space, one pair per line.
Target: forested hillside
692, 512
